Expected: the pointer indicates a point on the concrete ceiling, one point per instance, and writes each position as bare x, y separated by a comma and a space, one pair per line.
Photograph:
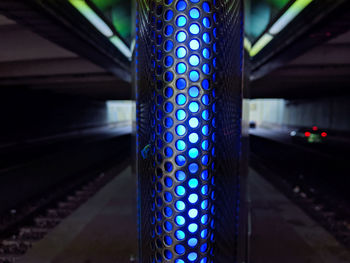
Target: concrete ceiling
321, 71
29, 60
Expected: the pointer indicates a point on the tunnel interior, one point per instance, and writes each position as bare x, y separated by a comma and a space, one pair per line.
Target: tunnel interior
174, 131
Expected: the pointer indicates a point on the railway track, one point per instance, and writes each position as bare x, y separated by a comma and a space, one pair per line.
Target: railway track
21, 231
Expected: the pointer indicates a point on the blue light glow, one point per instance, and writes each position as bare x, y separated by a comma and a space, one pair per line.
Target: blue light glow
168, 240
181, 21
204, 190
168, 107
206, 53
193, 198
181, 68
193, 213
206, 22
193, 168
193, 107
169, 92
205, 145
169, 61
169, 76
181, 5
194, 60
194, 75
181, 115
193, 92
168, 152
193, 183
181, 36
168, 122
181, 83
204, 233
180, 191
169, 30
204, 219
180, 220
205, 130
181, 99
205, 99
194, 13
194, 44
180, 145
169, 15
168, 254
168, 182
180, 175
192, 227
204, 204
168, 226
193, 137
206, 69
193, 153
168, 167
168, 46
168, 212
206, 38
192, 256
205, 115
180, 205
168, 197
180, 249
180, 130
205, 159
193, 122
180, 235
180, 160
206, 7
168, 137
181, 52
192, 242
194, 29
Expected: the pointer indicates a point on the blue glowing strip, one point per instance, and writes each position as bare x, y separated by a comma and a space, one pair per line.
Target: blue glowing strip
183, 135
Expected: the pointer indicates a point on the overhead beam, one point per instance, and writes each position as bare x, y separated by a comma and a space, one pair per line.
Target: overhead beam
62, 24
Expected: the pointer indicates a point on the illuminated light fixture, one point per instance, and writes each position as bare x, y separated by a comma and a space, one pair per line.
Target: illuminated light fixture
288, 16
247, 44
294, 10
260, 44
121, 46
101, 26
93, 18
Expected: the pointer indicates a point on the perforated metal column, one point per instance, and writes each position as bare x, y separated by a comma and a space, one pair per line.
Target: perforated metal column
180, 72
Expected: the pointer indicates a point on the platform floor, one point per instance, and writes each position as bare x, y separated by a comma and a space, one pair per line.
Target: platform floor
104, 229
282, 232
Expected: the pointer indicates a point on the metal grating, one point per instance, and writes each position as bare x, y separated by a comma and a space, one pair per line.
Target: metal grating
189, 74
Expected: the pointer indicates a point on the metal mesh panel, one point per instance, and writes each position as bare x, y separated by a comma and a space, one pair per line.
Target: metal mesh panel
189, 109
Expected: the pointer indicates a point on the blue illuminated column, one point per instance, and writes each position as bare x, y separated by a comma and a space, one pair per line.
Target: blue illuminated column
183, 130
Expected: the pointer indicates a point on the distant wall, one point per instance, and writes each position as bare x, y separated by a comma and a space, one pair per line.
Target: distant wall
328, 113
27, 114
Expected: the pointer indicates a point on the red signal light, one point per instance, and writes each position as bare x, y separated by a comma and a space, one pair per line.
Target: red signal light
307, 134
315, 128
324, 134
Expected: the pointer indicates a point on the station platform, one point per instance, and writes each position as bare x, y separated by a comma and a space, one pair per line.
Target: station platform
282, 232
104, 229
